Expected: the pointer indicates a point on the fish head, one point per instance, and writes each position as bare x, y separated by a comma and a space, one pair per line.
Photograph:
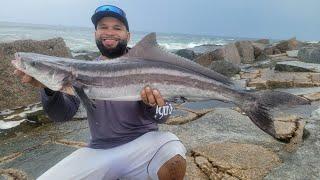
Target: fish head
53, 78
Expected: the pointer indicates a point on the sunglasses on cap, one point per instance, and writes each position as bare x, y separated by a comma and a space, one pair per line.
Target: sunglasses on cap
110, 8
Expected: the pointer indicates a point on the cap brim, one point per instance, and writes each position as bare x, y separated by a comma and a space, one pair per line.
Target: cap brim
99, 15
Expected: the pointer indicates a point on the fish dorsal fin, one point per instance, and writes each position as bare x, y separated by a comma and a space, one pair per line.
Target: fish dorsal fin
139, 50
148, 49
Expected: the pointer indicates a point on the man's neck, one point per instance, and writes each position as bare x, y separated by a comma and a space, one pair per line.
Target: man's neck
102, 57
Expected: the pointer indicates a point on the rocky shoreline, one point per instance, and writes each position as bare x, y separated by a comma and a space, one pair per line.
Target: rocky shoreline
222, 142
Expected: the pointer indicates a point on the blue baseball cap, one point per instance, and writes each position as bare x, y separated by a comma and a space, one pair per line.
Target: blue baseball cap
109, 11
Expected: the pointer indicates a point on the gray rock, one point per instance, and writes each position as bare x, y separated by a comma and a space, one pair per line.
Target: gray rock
186, 53
180, 116
297, 66
207, 58
81, 113
271, 50
258, 51
246, 51
205, 48
288, 45
224, 125
263, 41
224, 67
13, 92
293, 53
228, 53
309, 54
220, 125
300, 91
87, 56
36, 162
202, 107
232, 54
305, 162
316, 114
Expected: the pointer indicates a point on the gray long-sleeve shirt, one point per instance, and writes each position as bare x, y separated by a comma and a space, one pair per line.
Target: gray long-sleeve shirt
112, 123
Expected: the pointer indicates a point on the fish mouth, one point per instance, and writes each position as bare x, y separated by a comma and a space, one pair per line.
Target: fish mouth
17, 62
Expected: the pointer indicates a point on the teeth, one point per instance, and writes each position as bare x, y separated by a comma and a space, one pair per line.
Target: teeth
108, 39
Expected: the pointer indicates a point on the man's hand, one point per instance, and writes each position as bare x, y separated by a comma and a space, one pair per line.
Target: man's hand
28, 79
152, 97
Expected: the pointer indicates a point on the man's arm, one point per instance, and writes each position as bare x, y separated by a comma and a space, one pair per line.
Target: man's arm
59, 106
155, 106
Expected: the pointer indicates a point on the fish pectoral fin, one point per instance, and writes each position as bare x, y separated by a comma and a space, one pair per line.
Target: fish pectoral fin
178, 99
88, 103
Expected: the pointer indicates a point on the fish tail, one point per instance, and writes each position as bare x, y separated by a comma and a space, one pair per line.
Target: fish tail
257, 107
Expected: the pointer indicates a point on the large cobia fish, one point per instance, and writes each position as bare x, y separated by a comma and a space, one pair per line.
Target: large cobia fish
147, 64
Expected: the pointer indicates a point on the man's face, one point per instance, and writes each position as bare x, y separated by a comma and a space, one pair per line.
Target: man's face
111, 37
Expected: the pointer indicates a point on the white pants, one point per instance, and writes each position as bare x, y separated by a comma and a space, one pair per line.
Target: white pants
139, 159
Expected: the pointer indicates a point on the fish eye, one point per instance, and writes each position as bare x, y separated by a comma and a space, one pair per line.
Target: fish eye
33, 63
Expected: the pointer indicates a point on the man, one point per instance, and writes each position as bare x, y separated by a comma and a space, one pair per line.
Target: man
125, 143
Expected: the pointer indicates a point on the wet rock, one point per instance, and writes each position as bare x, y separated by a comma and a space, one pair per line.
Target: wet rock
186, 53
241, 161
297, 66
246, 51
13, 92
22, 119
224, 67
309, 54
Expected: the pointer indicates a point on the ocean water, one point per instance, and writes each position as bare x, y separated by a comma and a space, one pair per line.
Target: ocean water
81, 39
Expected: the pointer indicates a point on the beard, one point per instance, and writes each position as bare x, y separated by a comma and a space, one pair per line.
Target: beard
115, 52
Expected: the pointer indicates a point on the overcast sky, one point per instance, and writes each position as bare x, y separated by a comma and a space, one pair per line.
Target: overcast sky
278, 19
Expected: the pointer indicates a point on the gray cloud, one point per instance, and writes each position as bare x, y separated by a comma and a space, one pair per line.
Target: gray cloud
279, 19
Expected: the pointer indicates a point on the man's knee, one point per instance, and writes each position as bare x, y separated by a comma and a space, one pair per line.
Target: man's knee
173, 169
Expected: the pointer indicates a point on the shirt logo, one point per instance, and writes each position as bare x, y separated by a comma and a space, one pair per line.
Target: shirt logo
163, 111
